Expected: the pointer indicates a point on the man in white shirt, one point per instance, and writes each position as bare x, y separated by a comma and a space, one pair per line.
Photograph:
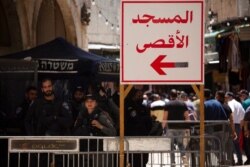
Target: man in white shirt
238, 115
157, 107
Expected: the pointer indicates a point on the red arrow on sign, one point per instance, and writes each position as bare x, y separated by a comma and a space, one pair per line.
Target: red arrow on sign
157, 64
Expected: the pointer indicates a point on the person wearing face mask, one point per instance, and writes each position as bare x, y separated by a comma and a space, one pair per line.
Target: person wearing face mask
137, 122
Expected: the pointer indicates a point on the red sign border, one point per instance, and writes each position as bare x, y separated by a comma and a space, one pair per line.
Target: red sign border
201, 80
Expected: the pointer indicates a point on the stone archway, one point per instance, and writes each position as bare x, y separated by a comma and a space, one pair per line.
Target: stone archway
50, 23
24, 22
11, 39
60, 14
4, 28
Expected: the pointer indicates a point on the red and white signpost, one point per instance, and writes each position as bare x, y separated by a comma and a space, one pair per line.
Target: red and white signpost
162, 42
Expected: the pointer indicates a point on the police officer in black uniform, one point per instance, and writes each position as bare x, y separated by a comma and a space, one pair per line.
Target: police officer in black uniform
138, 123
48, 115
21, 111
76, 104
94, 121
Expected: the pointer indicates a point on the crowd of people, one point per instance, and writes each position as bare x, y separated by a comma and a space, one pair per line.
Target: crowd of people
96, 113
48, 115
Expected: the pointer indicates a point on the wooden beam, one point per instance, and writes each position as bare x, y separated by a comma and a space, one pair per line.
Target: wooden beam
122, 97
127, 90
200, 94
196, 90
202, 127
124, 91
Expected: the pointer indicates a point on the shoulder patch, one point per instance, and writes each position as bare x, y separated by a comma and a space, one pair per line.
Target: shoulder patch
65, 105
18, 110
107, 117
133, 113
32, 102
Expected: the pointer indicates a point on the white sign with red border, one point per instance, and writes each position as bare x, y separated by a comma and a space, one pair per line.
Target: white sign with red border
162, 42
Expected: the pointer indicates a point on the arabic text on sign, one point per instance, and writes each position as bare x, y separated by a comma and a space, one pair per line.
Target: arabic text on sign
178, 42
146, 18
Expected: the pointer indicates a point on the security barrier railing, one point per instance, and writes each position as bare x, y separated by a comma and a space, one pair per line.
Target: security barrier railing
150, 151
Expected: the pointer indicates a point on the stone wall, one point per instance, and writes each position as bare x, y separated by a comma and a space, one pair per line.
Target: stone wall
98, 31
33, 22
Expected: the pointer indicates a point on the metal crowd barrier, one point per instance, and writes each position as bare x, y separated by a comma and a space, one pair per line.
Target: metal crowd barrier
150, 151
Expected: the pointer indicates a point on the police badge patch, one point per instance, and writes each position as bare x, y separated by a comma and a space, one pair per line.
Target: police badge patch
133, 113
66, 106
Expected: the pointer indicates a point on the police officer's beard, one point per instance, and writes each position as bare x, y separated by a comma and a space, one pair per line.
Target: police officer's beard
48, 93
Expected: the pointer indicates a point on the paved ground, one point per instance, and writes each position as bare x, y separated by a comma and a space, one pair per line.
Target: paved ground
244, 159
155, 160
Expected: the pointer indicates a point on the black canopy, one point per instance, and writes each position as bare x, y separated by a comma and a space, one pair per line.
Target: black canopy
61, 59
67, 65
